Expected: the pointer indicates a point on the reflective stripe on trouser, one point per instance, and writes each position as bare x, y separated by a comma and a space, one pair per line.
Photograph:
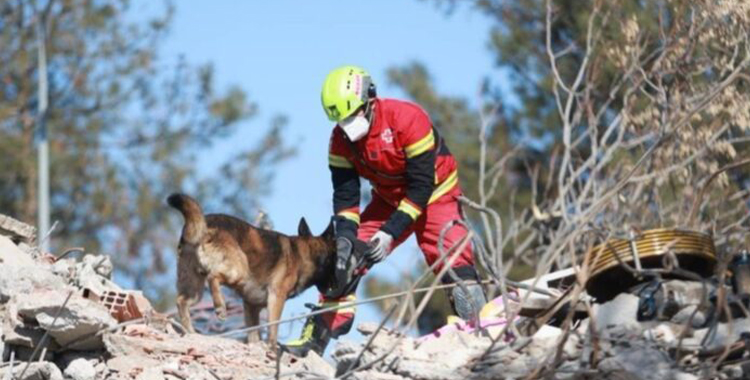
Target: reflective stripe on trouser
427, 229
336, 319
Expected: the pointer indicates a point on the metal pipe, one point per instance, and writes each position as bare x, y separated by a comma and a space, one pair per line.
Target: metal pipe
42, 143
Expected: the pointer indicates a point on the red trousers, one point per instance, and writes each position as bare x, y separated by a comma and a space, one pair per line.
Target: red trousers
427, 229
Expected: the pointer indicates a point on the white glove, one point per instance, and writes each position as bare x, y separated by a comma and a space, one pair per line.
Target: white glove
380, 246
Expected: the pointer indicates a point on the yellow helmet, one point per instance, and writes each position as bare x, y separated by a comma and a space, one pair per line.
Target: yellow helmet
345, 90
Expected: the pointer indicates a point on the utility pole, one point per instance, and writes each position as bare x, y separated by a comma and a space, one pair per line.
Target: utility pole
42, 143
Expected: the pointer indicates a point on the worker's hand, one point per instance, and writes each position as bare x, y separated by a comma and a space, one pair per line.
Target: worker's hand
380, 246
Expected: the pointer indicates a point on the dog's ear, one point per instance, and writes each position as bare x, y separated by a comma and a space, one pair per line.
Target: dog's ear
328, 233
303, 230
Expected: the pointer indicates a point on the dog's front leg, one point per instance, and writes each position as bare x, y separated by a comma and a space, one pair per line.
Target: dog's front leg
252, 319
220, 307
183, 308
276, 301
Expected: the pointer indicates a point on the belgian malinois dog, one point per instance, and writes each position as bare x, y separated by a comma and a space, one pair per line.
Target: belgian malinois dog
264, 267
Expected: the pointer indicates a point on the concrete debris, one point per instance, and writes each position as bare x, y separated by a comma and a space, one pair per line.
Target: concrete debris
20, 281
612, 343
690, 314
637, 362
151, 373
73, 323
621, 311
11, 255
65, 268
95, 273
81, 338
35, 371
16, 230
725, 334
25, 336
313, 363
80, 369
663, 329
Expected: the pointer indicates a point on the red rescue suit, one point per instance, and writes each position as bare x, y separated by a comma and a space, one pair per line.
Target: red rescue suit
415, 188
413, 175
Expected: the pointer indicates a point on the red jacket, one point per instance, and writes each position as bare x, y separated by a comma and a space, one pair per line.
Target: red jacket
402, 156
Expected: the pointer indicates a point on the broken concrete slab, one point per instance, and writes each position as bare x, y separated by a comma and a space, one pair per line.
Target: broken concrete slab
24, 280
621, 311
16, 229
35, 371
101, 264
23, 353
638, 362
27, 336
697, 318
126, 364
80, 369
367, 328
64, 268
65, 358
724, 335
32, 250
11, 255
77, 322
86, 277
314, 364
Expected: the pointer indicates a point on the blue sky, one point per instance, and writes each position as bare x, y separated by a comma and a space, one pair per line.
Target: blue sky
280, 51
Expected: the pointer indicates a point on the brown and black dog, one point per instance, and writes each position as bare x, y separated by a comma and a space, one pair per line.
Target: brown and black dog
264, 267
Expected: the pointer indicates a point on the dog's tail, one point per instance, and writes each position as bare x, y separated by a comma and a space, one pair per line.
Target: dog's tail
195, 224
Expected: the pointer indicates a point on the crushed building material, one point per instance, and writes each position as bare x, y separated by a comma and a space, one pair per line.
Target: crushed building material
32, 371
68, 312
66, 319
68, 323
16, 230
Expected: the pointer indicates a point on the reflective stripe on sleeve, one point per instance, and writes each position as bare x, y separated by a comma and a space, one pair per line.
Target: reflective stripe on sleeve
421, 146
351, 214
409, 208
339, 162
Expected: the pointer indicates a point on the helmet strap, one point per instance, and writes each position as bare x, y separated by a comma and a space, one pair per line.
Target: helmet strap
368, 110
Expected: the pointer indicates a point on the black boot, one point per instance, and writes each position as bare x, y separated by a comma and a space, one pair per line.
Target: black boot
468, 298
316, 334
468, 305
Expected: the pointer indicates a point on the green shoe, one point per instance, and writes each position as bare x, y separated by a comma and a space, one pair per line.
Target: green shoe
318, 332
315, 336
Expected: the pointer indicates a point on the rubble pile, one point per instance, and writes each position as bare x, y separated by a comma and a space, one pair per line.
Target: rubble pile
621, 340
65, 319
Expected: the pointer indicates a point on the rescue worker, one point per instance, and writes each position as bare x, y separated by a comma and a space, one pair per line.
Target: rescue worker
393, 144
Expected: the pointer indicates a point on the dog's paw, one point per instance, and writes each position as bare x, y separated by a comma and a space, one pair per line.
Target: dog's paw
221, 313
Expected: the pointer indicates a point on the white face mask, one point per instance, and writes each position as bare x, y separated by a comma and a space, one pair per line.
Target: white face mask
355, 128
